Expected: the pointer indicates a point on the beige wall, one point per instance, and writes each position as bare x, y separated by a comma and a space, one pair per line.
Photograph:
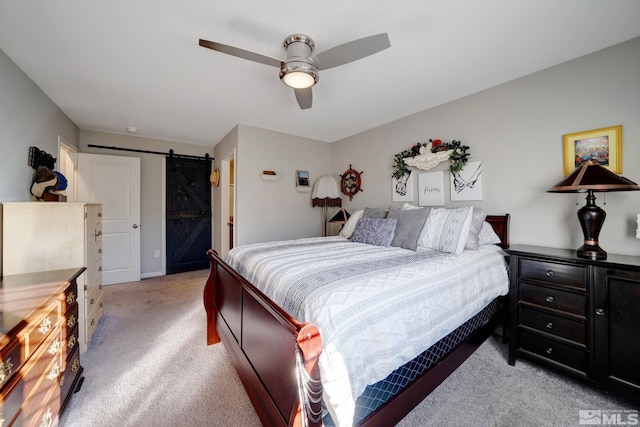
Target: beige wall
27, 118
516, 130
151, 189
275, 210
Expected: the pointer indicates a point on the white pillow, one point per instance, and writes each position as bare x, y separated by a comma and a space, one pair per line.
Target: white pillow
447, 230
409, 206
350, 225
487, 235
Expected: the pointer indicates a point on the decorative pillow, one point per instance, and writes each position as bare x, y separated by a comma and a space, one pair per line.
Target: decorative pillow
409, 227
474, 229
375, 213
447, 229
375, 231
349, 227
487, 235
409, 206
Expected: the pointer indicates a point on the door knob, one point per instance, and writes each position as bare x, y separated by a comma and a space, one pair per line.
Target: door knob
135, 225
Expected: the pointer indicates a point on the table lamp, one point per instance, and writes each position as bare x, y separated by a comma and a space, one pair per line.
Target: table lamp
591, 177
325, 194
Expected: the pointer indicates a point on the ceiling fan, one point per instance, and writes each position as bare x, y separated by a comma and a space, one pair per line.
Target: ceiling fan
300, 70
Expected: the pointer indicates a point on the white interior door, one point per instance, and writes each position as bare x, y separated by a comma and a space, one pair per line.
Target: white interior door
114, 181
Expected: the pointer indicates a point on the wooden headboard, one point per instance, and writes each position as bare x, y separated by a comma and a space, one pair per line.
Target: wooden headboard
500, 224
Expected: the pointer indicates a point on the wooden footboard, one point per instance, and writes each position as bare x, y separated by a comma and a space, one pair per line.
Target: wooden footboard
264, 342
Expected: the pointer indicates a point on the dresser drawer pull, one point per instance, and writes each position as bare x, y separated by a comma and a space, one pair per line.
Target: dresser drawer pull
93, 322
6, 368
47, 419
75, 365
72, 321
62, 378
45, 325
54, 372
71, 298
99, 268
55, 346
549, 273
72, 341
99, 251
549, 298
550, 325
600, 311
549, 350
92, 301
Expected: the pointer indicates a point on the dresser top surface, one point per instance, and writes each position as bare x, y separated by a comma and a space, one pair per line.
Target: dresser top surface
23, 294
570, 255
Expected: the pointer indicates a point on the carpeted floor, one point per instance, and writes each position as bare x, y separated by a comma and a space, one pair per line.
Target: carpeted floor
148, 365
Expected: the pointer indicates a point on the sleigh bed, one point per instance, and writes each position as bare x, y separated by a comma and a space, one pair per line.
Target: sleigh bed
279, 359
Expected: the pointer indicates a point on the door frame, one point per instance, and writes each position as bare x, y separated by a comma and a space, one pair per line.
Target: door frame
65, 148
225, 193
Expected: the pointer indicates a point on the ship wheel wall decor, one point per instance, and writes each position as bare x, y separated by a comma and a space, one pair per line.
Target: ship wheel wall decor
351, 182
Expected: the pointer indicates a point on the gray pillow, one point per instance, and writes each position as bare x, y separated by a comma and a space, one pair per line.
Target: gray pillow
410, 224
477, 219
374, 231
375, 213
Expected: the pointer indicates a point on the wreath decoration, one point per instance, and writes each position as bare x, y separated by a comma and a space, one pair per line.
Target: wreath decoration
459, 155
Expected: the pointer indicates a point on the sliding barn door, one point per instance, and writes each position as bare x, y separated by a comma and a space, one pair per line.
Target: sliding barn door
188, 203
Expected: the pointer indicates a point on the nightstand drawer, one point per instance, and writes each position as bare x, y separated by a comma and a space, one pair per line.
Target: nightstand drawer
552, 350
550, 272
553, 298
559, 326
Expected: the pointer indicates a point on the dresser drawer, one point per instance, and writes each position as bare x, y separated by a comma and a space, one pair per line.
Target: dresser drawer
42, 408
12, 397
67, 377
43, 368
94, 317
69, 298
37, 332
558, 274
552, 350
70, 342
568, 302
10, 360
573, 330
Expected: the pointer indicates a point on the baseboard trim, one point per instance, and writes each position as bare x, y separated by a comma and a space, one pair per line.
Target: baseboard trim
152, 274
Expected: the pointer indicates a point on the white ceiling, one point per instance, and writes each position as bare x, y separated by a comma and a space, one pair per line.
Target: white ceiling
113, 64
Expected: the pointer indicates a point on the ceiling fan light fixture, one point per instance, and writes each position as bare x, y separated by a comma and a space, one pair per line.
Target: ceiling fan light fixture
299, 75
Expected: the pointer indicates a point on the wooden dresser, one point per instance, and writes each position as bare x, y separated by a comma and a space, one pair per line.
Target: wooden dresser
578, 316
39, 350
40, 236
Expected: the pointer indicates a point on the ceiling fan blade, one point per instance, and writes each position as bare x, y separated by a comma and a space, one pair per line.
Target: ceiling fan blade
352, 51
241, 53
304, 98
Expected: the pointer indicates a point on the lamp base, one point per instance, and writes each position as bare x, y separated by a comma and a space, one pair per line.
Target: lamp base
591, 218
592, 252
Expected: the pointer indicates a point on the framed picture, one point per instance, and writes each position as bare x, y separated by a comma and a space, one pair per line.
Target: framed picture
604, 145
302, 181
467, 184
402, 189
431, 189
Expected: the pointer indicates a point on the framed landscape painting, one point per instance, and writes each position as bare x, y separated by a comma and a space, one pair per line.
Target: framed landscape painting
603, 145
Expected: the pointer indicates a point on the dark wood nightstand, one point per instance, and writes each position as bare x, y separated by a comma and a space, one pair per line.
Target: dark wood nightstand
578, 316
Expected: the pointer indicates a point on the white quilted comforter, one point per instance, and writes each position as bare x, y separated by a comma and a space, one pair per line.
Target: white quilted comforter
376, 307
